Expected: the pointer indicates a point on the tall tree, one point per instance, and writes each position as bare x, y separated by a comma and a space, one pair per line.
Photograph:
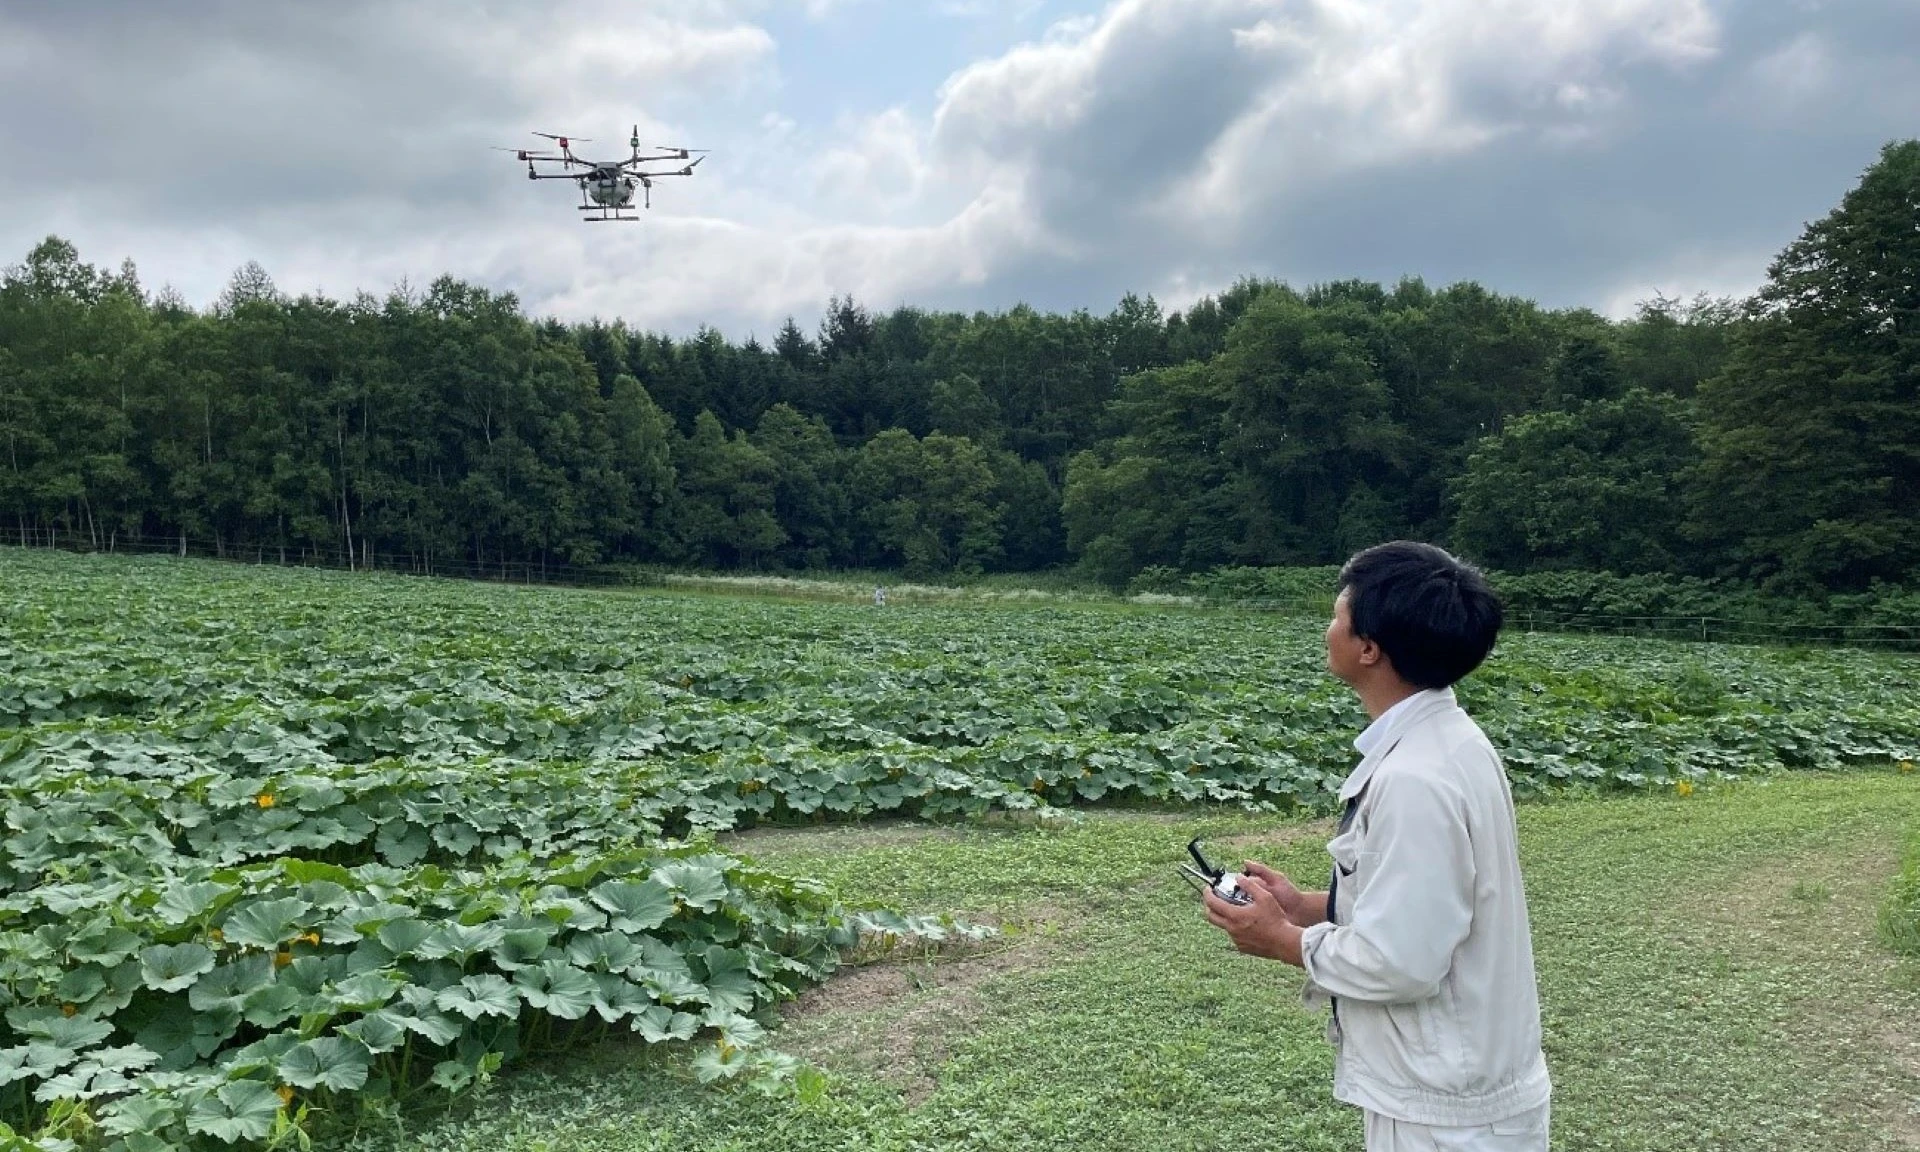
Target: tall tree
1812, 433
1599, 488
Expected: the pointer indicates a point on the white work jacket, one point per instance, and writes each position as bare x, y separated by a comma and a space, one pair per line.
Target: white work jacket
1427, 962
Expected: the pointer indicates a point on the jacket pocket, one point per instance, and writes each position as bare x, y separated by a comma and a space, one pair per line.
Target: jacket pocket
1345, 850
1412, 1026
1393, 1043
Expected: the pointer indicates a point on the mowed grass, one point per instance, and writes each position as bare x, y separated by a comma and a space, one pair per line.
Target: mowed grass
1709, 968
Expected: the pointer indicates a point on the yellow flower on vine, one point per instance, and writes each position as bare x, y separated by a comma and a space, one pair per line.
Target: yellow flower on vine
265, 799
1685, 787
1906, 765
285, 1093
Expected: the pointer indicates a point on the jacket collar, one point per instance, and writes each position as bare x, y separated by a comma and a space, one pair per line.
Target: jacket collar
1400, 720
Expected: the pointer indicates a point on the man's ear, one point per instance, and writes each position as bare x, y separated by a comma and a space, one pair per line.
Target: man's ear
1371, 653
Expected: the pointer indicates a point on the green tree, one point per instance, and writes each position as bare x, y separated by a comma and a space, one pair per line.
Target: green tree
1597, 488
1311, 431
960, 407
723, 514
1812, 433
810, 498
926, 506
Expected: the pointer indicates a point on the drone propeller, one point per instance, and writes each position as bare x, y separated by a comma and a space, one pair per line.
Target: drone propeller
566, 140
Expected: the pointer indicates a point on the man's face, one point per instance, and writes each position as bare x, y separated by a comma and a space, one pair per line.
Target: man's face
1344, 649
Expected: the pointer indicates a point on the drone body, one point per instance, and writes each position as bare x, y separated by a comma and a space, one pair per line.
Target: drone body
607, 186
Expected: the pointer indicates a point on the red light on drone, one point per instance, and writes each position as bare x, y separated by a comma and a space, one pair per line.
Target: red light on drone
563, 142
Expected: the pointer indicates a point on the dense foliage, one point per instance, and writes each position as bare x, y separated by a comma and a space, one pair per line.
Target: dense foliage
1684, 607
278, 839
1264, 426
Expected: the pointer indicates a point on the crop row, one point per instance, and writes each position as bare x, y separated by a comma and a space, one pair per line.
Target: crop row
279, 841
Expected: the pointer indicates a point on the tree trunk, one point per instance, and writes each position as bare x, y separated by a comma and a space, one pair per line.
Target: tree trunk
346, 515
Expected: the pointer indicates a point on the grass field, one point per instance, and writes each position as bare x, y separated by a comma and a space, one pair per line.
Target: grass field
1709, 971
273, 834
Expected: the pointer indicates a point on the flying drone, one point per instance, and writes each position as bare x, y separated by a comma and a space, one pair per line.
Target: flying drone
606, 186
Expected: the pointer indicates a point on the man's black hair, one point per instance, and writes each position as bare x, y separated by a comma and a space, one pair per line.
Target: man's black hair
1435, 616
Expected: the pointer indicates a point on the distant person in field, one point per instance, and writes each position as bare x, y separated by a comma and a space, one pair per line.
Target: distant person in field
1421, 947
880, 597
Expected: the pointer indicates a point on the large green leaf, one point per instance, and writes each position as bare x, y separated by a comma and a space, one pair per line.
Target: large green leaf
184, 903
266, 923
365, 991
68, 1031
420, 1016
557, 988
183, 1037
401, 843
635, 907
661, 1023
665, 973
332, 1062
700, 882
482, 995
173, 967
102, 1072
519, 947
606, 951
229, 985
141, 1114
242, 1110
458, 941
404, 937
276, 1003
381, 1031
729, 984
104, 946
617, 997
34, 1061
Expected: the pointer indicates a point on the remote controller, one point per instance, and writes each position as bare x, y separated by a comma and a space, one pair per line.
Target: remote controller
1223, 884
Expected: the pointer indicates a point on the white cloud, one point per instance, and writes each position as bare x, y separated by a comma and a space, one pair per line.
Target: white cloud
1357, 85
880, 166
1172, 145
1800, 70
1682, 275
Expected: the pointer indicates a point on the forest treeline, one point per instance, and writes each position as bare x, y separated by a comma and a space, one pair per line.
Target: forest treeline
1773, 440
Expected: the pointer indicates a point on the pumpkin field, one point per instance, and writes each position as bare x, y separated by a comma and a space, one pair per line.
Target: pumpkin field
289, 849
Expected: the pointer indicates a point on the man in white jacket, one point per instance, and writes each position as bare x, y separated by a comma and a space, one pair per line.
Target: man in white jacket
1421, 946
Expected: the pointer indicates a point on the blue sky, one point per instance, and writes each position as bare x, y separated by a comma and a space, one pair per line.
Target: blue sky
899, 47
950, 154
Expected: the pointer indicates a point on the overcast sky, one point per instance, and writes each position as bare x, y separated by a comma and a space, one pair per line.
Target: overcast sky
950, 153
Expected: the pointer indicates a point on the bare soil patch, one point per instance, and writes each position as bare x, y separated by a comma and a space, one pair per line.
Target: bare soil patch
1819, 912
894, 1019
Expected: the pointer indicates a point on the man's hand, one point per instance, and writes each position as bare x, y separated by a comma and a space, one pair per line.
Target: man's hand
1305, 909
1260, 928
